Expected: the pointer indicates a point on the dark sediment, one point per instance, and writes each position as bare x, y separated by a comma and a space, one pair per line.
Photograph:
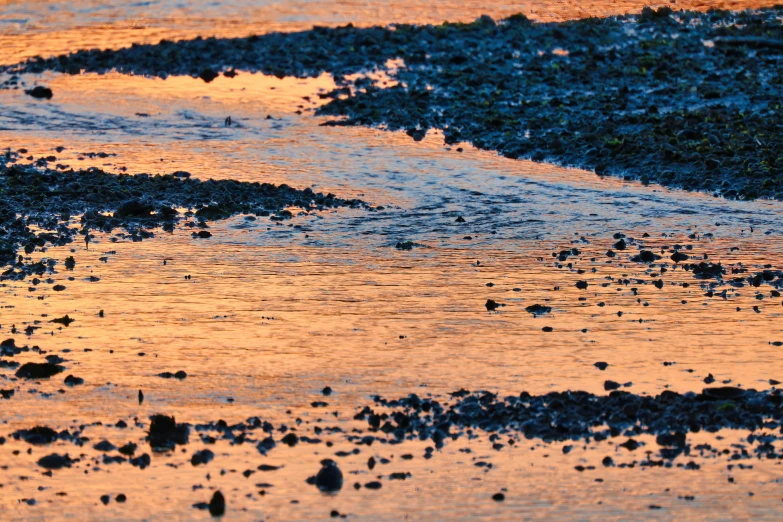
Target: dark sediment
574, 415
37, 196
655, 104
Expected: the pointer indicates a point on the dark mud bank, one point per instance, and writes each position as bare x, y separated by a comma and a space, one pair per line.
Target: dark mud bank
574, 415
38, 202
684, 99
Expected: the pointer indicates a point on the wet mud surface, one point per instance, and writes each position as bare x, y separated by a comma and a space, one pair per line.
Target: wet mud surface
684, 99
415, 331
46, 198
262, 447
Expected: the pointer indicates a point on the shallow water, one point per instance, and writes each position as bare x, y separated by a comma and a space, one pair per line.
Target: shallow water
53, 27
273, 312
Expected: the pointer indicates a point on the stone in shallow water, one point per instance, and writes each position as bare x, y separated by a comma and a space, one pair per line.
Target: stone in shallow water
40, 92
105, 445
724, 392
73, 381
37, 435
492, 305
141, 462
538, 309
208, 75
202, 457
329, 477
181, 375
128, 449
165, 432
645, 256
671, 439
55, 461
217, 506
38, 370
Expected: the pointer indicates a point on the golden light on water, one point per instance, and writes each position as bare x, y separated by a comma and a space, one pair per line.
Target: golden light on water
263, 315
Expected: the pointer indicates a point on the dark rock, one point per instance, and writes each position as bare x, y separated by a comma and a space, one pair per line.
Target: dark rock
134, 208
706, 270
141, 461
265, 445
630, 445
37, 435
64, 320
671, 439
217, 506
537, 309
208, 75
645, 256
204, 456
55, 461
723, 393
165, 433
329, 477
128, 449
491, 305
181, 375
32, 370
73, 381
40, 92
290, 439
104, 446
